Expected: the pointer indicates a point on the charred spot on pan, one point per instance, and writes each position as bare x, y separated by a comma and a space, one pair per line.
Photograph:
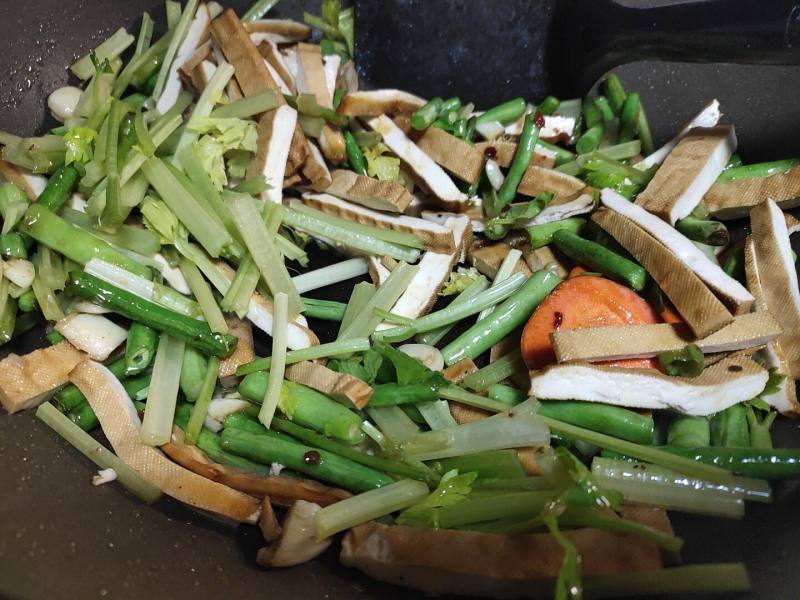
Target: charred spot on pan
558, 319
735, 368
312, 457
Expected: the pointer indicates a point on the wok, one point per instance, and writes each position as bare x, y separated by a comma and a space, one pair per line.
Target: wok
62, 538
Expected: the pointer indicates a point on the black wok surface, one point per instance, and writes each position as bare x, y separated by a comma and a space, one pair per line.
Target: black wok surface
61, 538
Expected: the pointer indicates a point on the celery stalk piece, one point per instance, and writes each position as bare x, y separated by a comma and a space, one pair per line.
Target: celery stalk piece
97, 453
128, 237
162, 395
433, 337
503, 273
454, 313
495, 433
145, 36
278, 365
264, 253
45, 298
205, 297
458, 394
503, 368
247, 107
335, 273
368, 506
393, 423
110, 49
181, 29
437, 414
706, 578
329, 350
200, 408
259, 9
144, 288
359, 297
113, 213
173, 10
365, 322
205, 228
348, 236
237, 298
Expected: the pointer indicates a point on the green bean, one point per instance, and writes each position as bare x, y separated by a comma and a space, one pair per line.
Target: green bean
425, 116
325, 310
135, 385
598, 258
765, 169
193, 371
729, 428
614, 92
549, 105
492, 464
195, 333
522, 159
27, 302
542, 235
688, 362
514, 311
354, 154
629, 117
591, 114
204, 396
606, 112
270, 447
590, 139
58, 188
506, 394
83, 416
505, 113
12, 245
713, 233
140, 348
689, 431
69, 397
645, 135
392, 394
612, 420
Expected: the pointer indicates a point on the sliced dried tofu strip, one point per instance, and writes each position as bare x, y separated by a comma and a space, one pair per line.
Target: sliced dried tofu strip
774, 264
275, 133
688, 172
707, 117
730, 290
735, 199
730, 381
557, 212
316, 169
242, 354
697, 305
430, 174
342, 387
489, 258
640, 341
27, 381
378, 272
201, 54
280, 31
537, 180
456, 156
436, 238
370, 192
269, 50
311, 74
120, 423
374, 103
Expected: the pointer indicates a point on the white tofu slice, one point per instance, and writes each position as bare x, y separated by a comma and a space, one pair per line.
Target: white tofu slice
374, 103
93, 334
275, 132
708, 117
198, 30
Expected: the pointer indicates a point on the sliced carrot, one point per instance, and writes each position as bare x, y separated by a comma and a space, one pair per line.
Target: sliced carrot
581, 302
669, 315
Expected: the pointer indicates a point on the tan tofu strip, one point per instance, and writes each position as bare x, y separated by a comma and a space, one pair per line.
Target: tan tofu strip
431, 175
27, 381
537, 180
504, 152
370, 192
457, 372
697, 305
374, 103
489, 258
311, 73
242, 354
640, 341
731, 291
784, 399
469, 563
275, 134
186, 70
688, 172
436, 238
456, 156
707, 117
252, 74
778, 277
280, 31
269, 50
734, 200
342, 387
316, 169
730, 381
120, 423
572, 208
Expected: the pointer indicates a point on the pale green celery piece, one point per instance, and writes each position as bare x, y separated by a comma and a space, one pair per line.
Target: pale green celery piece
437, 414
46, 299
173, 10
110, 49
205, 297
50, 268
263, 251
365, 322
435, 336
361, 294
181, 29
453, 314
368, 506
457, 394
278, 366
335, 273
503, 273
237, 298
259, 9
329, 350
208, 231
393, 423
347, 236
494, 433
162, 396
97, 453
502, 368
688, 579
247, 107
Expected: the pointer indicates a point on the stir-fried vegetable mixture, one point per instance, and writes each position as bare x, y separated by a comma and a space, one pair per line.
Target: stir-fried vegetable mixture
548, 340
